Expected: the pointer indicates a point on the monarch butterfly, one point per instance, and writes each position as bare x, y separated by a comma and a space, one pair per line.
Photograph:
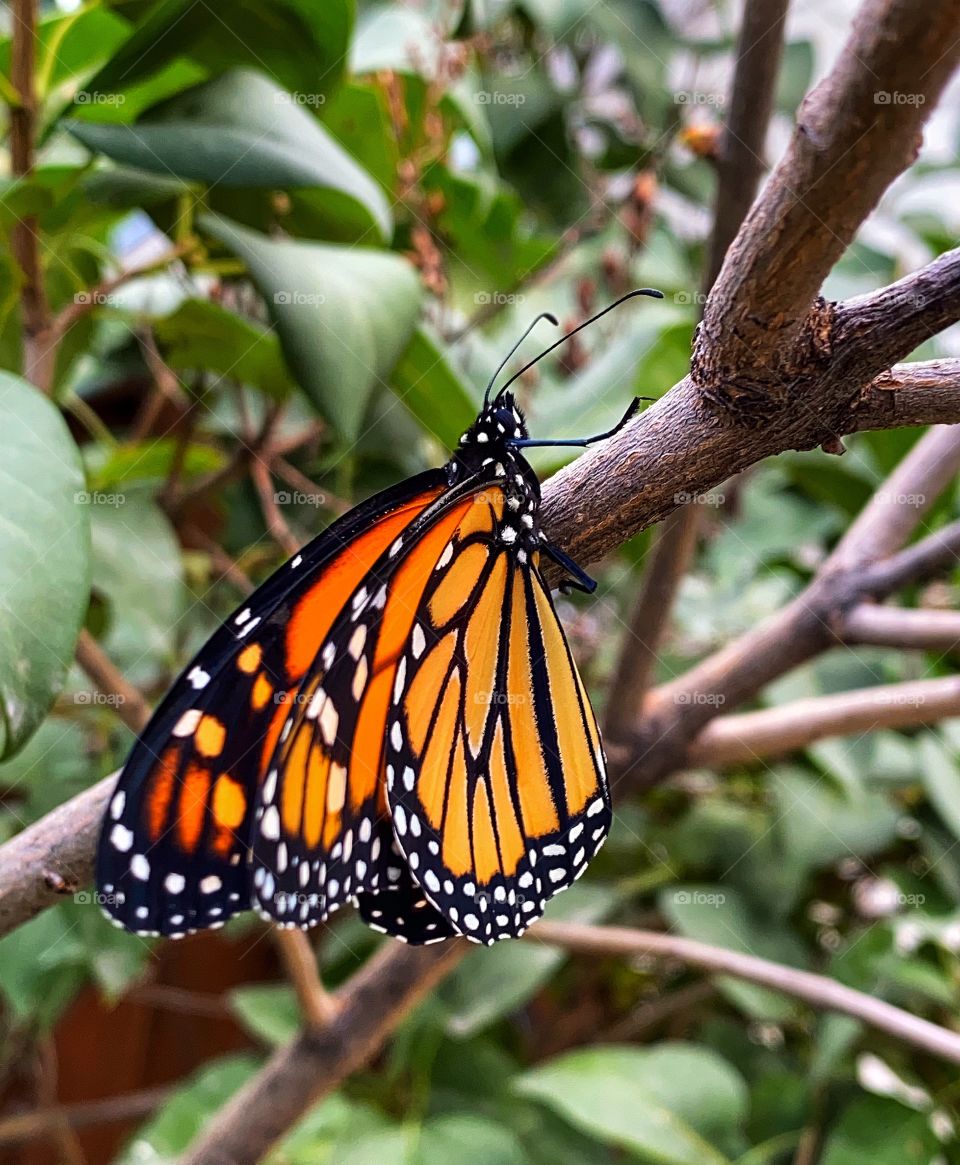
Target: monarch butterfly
394, 719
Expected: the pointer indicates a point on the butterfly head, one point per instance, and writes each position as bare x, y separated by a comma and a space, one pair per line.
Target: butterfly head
500, 422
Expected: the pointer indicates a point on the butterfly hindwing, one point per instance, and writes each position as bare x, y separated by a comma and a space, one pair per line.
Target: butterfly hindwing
175, 843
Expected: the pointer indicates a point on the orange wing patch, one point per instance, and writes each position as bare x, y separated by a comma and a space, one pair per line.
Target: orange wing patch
503, 795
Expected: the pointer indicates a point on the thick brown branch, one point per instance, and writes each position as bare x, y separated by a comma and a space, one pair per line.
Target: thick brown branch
774, 732
818, 991
855, 133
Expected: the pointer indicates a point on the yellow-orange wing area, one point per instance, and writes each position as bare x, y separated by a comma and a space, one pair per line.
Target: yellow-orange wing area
323, 833
495, 772
175, 845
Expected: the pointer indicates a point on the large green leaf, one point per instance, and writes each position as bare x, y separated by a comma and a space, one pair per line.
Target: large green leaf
202, 336
432, 390
941, 778
344, 315
242, 130
882, 1132
301, 43
44, 558
669, 1104
393, 37
137, 573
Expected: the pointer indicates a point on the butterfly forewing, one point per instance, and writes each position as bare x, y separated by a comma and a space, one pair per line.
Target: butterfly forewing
175, 843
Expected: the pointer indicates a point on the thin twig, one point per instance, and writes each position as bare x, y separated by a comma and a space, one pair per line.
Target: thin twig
28, 1126
128, 701
817, 990
317, 1006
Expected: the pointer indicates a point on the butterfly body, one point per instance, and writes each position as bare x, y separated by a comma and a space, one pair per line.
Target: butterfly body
394, 719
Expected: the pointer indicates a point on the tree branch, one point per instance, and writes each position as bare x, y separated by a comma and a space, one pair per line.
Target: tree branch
678, 711
817, 990
370, 1007
924, 630
758, 328
774, 732
740, 165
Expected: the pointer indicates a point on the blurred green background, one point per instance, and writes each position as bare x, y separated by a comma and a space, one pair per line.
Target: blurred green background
342, 218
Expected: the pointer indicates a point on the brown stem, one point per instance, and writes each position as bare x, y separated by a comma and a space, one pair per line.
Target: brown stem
28, 1126
774, 732
923, 630
817, 990
678, 711
129, 703
317, 1006
647, 623
739, 168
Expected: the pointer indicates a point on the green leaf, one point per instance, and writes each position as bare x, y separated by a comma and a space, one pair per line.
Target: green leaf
184, 1115
269, 1011
430, 388
499, 979
137, 571
243, 131
667, 1104
468, 1140
344, 315
882, 1132
301, 43
203, 336
392, 37
44, 558
941, 779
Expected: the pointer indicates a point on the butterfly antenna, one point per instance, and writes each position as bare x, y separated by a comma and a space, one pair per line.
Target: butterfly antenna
544, 315
579, 328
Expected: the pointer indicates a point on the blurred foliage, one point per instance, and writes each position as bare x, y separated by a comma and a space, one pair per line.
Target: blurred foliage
344, 218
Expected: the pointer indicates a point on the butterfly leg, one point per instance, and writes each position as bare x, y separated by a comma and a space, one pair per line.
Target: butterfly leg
580, 442
579, 580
